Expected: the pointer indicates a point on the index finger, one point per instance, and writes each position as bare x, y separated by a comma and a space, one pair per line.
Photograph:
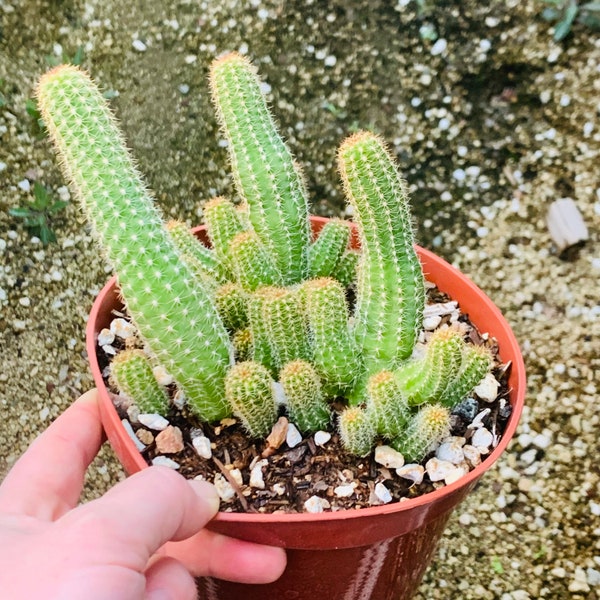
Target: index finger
47, 480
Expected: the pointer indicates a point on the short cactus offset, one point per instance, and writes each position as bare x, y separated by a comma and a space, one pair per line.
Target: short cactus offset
176, 316
387, 405
335, 354
425, 429
325, 253
223, 222
249, 390
306, 403
265, 174
391, 290
357, 430
132, 374
231, 302
252, 264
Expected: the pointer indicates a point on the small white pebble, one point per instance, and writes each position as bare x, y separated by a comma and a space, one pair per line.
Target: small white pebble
541, 441
24, 185
330, 61
256, 475
179, 399
184, 88
430, 323
479, 417
451, 451
293, 437
153, 421
106, 336
345, 491
322, 437
165, 461
139, 46
413, 472
279, 489
459, 174
202, 446
487, 390
44, 413
109, 350
162, 376
472, 455
456, 474
482, 439
316, 505
382, 493
438, 469
224, 488
236, 474
122, 328
439, 47
133, 414
388, 457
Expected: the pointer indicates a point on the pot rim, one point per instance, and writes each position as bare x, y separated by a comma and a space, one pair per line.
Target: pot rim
510, 347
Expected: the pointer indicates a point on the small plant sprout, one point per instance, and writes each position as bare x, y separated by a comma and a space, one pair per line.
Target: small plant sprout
37, 214
269, 319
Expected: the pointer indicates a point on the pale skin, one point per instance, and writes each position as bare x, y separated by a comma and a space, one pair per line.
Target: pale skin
54, 548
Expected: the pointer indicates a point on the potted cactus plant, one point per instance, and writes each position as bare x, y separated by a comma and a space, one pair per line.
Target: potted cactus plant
282, 323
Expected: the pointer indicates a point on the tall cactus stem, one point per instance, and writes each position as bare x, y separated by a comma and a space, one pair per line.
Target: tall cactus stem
265, 174
391, 290
172, 310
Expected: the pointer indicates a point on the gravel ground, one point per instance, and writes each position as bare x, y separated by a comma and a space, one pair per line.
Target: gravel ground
491, 121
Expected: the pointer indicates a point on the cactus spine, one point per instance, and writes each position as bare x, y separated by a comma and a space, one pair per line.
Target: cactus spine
424, 431
266, 177
249, 390
391, 291
335, 355
305, 401
190, 341
132, 374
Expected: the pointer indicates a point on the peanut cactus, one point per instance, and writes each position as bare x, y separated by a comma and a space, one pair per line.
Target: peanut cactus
177, 316
132, 373
249, 390
266, 176
391, 290
263, 314
305, 399
424, 430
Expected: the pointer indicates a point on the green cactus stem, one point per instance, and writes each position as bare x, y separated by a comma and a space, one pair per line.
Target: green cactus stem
387, 405
438, 368
390, 290
335, 355
264, 172
261, 348
326, 251
242, 344
346, 269
223, 222
357, 431
200, 258
305, 400
284, 325
423, 432
249, 390
476, 362
252, 263
171, 308
131, 372
231, 301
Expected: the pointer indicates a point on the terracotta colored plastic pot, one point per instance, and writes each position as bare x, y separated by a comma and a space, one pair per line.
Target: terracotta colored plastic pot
377, 553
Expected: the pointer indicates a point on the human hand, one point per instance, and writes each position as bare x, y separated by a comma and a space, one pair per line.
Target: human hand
108, 549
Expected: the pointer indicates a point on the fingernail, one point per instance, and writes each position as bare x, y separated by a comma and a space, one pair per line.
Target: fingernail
207, 492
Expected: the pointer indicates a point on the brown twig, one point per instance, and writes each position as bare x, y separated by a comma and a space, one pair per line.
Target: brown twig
233, 483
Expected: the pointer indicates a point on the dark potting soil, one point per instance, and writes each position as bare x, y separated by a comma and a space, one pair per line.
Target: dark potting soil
293, 475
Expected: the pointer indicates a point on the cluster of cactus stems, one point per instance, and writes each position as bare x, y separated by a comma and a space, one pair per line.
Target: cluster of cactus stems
261, 318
